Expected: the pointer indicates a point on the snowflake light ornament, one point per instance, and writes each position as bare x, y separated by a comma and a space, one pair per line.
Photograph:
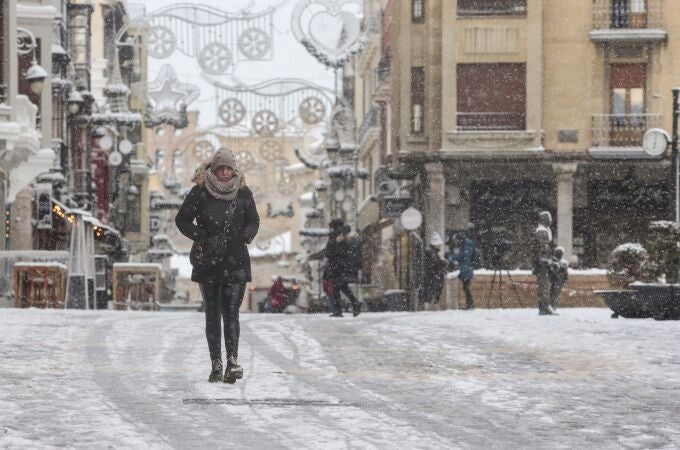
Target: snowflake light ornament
215, 58
254, 43
265, 123
312, 110
203, 150
231, 112
162, 42
270, 150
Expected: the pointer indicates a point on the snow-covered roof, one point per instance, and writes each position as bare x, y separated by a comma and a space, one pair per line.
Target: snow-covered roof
138, 265
111, 117
40, 264
314, 232
296, 168
34, 254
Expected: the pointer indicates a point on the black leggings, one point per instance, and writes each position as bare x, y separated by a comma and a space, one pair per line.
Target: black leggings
222, 301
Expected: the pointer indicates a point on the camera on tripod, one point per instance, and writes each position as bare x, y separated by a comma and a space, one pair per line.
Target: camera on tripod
500, 248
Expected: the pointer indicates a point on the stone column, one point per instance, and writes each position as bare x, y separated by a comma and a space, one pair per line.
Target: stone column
434, 216
564, 178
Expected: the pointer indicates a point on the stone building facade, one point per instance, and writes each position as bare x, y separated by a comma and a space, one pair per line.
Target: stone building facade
500, 109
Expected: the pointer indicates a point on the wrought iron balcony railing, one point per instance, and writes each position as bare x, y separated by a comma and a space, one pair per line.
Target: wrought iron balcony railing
490, 121
622, 130
492, 8
627, 14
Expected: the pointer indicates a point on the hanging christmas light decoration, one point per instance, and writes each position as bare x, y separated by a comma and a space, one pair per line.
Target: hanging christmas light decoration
218, 39
330, 30
275, 106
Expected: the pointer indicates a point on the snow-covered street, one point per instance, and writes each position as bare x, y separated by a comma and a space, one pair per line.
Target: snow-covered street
456, 379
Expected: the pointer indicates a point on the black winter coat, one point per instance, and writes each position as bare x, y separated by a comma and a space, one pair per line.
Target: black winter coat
341, 261
210, 214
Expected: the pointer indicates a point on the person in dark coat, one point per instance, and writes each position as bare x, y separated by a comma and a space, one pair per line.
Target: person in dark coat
466, 266
339, 270
434, 270
220, 198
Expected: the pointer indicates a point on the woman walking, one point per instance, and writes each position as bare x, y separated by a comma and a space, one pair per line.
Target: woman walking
226, 220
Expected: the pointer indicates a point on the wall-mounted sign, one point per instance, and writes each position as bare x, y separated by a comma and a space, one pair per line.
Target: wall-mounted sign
392, 207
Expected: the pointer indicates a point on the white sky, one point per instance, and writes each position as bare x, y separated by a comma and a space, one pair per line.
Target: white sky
290, 60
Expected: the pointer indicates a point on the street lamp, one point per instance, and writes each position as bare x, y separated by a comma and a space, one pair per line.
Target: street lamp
674, 152
35, 74
75, 101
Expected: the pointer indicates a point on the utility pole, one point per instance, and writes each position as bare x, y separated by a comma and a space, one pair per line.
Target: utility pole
674, 155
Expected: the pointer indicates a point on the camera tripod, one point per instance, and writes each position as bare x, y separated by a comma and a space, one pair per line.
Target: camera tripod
498, 271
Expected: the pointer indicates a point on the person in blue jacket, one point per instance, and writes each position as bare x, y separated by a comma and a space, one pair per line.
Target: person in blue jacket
466, 268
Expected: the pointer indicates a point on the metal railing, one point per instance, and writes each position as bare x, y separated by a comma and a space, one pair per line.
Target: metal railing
622, 130
627, 14
490, 121
492, 8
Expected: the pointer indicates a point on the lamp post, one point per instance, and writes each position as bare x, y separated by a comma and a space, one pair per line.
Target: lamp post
674, 154
35, 74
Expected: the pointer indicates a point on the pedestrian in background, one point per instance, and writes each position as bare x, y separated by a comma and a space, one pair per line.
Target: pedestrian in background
226, 219
434, 270
339, 270
464, 258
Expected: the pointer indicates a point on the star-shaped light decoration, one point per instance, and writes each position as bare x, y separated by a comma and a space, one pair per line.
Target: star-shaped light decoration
167, 99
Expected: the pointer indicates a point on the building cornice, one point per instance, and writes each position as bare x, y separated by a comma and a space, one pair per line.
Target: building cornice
40, 12
629, 35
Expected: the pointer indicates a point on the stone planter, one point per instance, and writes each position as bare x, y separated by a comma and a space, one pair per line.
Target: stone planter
659, 301
663, 300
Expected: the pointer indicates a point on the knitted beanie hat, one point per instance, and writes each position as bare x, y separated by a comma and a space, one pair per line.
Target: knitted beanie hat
223, 157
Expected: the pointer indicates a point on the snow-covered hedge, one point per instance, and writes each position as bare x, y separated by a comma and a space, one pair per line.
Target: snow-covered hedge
626, 264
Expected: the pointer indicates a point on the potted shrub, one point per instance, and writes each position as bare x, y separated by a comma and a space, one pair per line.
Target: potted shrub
625, 267
648, 280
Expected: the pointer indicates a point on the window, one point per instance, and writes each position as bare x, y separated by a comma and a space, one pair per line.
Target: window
418, 10
627, 99
417, 99
492, 7
629, 14
491, 97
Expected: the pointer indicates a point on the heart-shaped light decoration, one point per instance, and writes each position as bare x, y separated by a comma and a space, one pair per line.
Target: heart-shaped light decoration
330, 30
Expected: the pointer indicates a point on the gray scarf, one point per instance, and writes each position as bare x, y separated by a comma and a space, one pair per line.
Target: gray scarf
222, 190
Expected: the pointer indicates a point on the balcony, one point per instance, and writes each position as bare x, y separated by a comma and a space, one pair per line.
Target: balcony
492, 8
627, 20
620, 135
490, 121
370, 128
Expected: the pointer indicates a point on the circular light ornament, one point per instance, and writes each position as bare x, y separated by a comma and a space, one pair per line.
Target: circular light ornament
115, 159
215, 58
161, 42
411, 218
106, 142
231, 112
312, 110
254, 43
125, 147
347, 204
